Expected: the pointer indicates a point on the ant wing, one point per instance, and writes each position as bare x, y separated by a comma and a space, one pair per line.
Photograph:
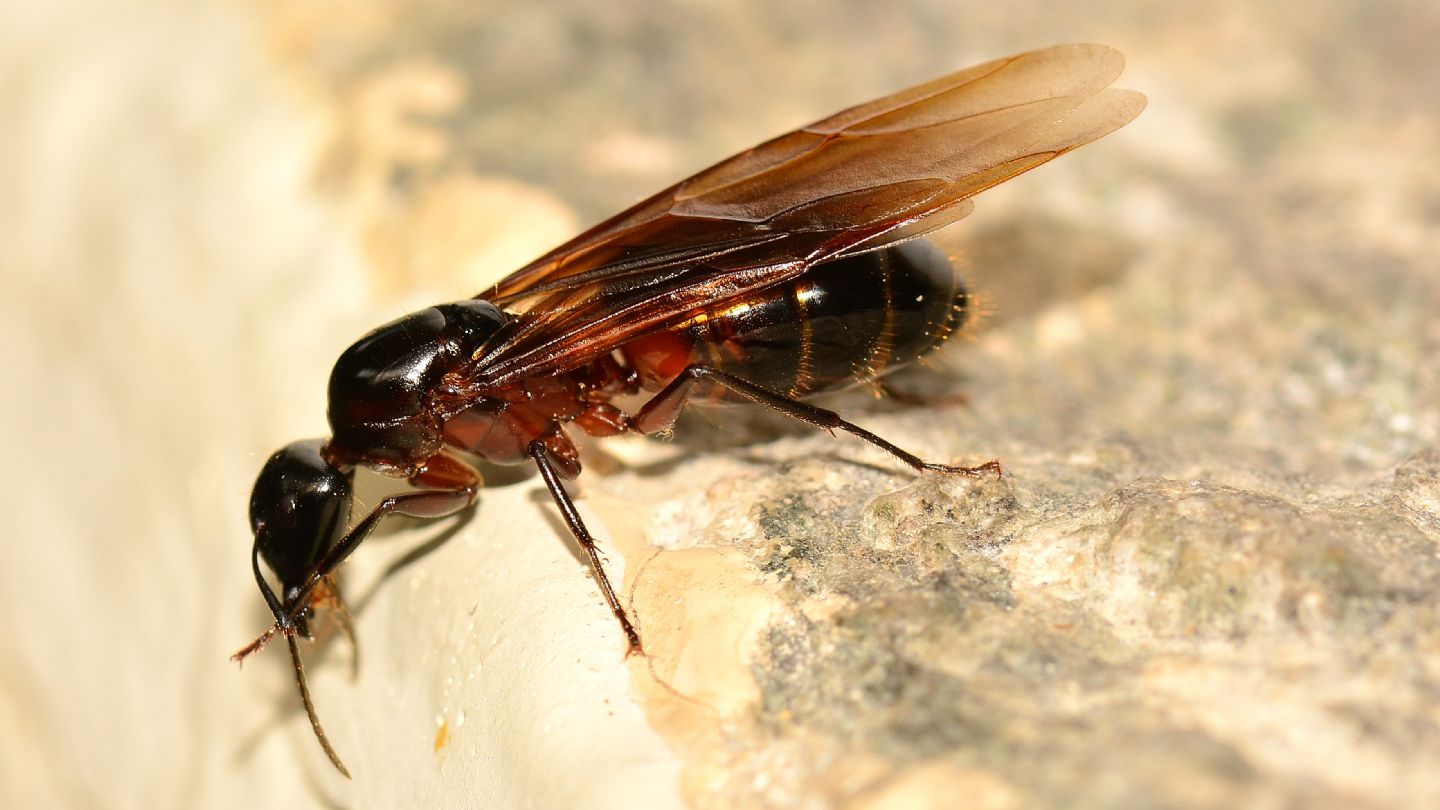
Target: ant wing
863, 179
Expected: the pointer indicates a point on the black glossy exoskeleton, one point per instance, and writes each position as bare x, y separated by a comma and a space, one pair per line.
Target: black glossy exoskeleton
785, 271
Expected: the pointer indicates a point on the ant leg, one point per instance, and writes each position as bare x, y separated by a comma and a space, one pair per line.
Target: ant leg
660, 413
540, 454
449, 485
327, 595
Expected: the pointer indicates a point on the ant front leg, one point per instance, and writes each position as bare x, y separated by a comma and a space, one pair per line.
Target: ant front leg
447, 486
327, 595
541, 454
659, 415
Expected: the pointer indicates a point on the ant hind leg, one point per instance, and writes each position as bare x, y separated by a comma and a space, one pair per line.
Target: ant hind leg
660, 413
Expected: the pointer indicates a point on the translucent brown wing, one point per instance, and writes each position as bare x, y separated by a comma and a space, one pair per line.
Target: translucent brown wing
862, 179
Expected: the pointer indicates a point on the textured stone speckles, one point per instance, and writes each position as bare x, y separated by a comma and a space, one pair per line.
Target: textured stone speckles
1417, 486
1170, 643
1192, 559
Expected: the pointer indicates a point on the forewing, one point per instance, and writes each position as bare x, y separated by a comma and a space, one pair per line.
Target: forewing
862, 179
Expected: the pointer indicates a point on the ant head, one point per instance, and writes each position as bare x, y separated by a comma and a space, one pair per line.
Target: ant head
299, 508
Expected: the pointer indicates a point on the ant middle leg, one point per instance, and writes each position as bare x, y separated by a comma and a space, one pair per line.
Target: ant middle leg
551, 475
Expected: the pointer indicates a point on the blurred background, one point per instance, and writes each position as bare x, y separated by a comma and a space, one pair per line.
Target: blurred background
205, 202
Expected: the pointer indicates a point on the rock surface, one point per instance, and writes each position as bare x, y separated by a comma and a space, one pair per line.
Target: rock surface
1210, 576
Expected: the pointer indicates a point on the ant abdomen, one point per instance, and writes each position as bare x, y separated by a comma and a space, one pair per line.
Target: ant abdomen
846, 321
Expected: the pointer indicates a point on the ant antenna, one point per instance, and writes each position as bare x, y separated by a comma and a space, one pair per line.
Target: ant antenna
285, 623
310, 706
259, 643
